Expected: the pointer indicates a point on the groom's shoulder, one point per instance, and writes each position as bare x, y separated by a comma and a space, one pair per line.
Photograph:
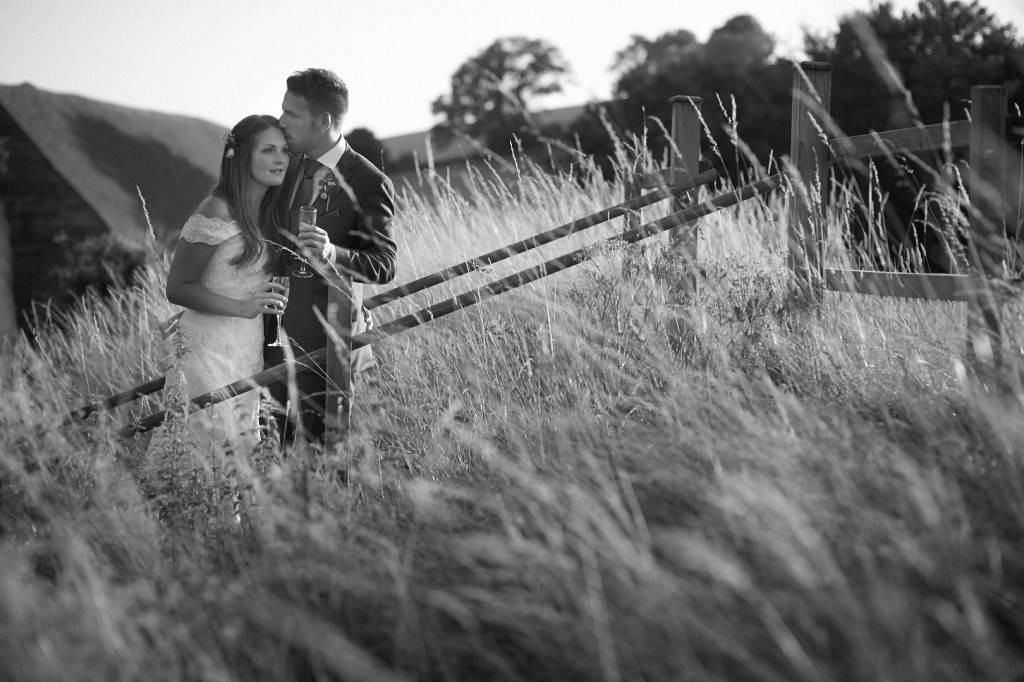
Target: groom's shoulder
370, 173
366, 166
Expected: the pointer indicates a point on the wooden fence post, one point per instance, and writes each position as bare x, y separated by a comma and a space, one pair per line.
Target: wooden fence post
632, 189
338, 364
684, 166
988, 214
686, 131
1015, 182
808, 156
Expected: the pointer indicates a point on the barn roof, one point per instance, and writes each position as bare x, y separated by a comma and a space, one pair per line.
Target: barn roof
417, 143
457, 148
105, 150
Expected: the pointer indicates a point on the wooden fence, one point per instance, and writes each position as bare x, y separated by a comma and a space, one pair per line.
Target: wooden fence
815, 149
813, 152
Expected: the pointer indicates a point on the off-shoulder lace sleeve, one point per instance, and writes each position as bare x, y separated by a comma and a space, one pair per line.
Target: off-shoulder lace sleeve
213, 231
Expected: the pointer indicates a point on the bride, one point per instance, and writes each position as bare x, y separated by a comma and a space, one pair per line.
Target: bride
220, 275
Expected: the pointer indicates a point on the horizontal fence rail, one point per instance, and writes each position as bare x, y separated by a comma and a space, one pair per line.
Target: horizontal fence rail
931, 287
415, 319
617, 211
902, 141
660, 178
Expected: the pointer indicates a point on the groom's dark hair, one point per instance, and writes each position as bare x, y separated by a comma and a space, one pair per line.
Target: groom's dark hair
322, 90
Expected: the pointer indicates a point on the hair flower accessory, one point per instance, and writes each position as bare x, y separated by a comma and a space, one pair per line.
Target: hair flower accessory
229, 143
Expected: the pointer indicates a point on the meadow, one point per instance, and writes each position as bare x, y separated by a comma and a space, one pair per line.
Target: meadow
607, 475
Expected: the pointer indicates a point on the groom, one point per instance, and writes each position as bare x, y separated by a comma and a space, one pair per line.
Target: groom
355, 206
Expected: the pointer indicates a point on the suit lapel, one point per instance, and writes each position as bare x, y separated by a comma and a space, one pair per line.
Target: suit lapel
347, 163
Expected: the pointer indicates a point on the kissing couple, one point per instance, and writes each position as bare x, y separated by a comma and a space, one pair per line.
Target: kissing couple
245, 266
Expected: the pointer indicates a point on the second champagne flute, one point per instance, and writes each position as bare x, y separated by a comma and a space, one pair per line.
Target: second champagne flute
283, 280
307, 216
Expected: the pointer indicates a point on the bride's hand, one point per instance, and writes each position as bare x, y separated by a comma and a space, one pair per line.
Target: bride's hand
269, 299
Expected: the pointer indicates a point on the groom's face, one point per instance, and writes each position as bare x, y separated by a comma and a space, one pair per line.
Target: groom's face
299, 123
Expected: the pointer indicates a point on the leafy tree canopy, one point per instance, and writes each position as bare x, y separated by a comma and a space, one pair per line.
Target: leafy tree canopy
735, 65
492, 92
934, 54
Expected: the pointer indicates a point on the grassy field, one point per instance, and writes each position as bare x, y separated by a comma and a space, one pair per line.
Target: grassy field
600, 477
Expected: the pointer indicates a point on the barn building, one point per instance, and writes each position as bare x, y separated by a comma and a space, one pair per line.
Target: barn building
72, 168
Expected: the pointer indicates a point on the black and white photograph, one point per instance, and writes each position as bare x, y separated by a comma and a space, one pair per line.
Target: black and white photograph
549, 340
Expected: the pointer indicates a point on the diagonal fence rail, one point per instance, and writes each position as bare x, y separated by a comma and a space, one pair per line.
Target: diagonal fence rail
415, 319
626, 208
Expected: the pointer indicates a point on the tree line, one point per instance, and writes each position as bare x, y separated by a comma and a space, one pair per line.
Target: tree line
891, 69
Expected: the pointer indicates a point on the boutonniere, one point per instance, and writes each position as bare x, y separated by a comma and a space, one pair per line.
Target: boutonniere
327, 184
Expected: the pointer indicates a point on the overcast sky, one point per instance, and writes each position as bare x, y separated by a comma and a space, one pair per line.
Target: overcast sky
223, 59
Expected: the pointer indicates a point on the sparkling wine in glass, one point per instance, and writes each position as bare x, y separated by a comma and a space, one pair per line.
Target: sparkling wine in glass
283, 280
307, 216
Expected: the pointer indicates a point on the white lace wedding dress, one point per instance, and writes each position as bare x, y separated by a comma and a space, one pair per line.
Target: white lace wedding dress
219, 350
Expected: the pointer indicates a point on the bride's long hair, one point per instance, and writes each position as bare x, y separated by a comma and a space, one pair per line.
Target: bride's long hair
258, 231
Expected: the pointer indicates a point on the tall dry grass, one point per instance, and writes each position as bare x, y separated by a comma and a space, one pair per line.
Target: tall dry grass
601, 476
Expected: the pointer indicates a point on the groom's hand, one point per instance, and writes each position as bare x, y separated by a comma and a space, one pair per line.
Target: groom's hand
316, 245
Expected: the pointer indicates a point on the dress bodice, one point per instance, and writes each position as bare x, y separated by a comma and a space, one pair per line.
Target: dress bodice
220, 275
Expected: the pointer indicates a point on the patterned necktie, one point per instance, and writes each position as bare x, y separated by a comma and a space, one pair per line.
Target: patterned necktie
304, 190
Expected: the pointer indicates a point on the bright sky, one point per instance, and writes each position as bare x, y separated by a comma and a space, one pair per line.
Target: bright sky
223, 59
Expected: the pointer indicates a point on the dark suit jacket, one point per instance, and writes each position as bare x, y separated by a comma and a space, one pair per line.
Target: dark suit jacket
358, 218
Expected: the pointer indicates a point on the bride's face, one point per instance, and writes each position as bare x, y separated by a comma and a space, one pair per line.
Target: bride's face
269, 158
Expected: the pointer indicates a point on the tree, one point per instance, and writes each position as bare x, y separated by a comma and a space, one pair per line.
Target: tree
646, 59
734, 65
739, 45
649, 72
366, 143
934, 54
898, 70
492, 92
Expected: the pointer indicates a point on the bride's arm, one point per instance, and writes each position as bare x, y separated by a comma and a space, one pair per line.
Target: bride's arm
185, 289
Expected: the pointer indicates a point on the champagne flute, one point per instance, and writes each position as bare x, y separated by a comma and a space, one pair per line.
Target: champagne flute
307, 216
283, 280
